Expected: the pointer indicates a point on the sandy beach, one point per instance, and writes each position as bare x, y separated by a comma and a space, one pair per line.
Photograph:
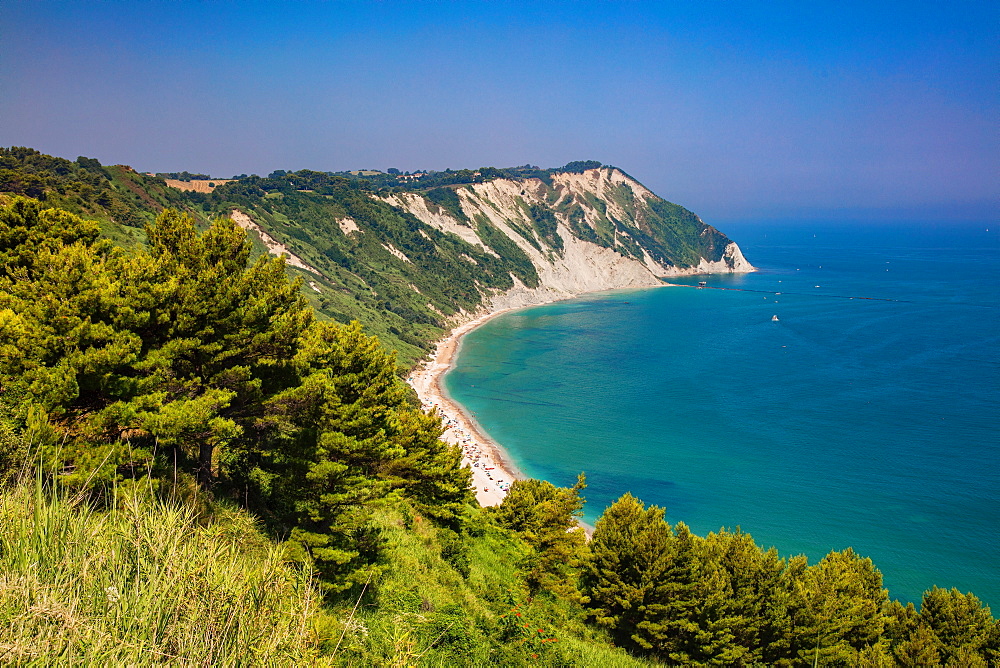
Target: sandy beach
492, 471
492, 474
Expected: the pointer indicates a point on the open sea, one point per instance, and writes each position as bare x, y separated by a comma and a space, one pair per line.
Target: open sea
867, 416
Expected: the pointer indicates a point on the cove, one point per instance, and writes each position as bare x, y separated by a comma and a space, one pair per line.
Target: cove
864, 417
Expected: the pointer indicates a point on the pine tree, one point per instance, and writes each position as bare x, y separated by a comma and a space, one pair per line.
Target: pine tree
119, 365
61, 356
686, 619
840, 610
340, 437
546, 517
755, 601
631, 552
920, 648
172, 349
960, 622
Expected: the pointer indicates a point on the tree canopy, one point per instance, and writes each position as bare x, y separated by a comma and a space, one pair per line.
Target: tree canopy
189, 356
547, 518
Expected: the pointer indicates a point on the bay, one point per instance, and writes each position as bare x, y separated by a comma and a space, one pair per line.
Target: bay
866, 416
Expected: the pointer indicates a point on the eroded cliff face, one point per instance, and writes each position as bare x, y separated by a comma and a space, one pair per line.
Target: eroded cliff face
411, 256
273, 246
583, 232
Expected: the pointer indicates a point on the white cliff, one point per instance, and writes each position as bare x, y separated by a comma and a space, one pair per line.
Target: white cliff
596, 197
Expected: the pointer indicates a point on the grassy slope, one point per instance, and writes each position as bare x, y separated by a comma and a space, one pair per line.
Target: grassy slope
150, 582
424, 612
146, 582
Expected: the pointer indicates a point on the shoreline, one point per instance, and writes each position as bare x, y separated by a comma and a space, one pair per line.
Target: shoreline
492, 470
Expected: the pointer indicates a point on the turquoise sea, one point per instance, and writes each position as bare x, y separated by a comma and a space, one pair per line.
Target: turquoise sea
867, 416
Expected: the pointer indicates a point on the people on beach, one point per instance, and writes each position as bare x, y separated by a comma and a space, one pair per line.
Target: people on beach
477, 452
473, 454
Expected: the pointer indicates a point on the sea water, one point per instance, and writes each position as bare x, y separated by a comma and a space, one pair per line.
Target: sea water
867, 415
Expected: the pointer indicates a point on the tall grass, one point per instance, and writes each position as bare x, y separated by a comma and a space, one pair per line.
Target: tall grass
146, 583
422, 611
150, 582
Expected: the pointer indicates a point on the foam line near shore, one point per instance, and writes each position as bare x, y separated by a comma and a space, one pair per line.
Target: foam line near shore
492, 472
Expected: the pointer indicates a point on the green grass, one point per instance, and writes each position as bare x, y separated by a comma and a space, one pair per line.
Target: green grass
147, 583
422, 611
152, 582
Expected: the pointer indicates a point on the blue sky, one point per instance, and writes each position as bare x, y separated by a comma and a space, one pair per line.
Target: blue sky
739, 111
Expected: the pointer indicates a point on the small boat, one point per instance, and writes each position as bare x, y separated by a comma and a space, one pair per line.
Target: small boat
702, 284
774, 318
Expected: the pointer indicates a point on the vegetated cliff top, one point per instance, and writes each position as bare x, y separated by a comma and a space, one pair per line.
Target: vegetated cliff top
424, 179
408, 255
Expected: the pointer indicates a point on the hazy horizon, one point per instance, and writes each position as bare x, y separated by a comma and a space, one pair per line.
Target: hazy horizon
737, 111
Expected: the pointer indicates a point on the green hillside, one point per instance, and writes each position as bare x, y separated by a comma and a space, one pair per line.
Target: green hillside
196, 467
401, 278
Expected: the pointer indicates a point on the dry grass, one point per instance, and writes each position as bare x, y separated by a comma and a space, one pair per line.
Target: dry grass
197, 185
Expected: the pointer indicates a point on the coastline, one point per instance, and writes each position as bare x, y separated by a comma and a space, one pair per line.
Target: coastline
492, 471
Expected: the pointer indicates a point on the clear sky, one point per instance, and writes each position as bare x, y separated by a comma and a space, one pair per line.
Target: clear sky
737, 110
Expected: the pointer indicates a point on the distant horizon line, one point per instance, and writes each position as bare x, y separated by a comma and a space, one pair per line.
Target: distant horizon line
950, 213
859, 217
